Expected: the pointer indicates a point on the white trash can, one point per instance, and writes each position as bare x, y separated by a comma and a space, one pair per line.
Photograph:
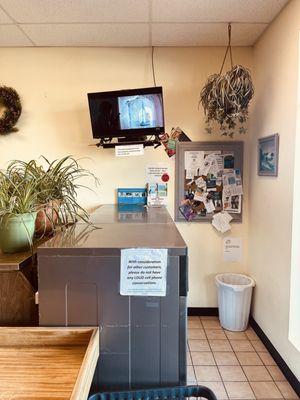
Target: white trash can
234, 298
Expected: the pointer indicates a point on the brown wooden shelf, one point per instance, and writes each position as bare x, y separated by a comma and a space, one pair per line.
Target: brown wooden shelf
18, 284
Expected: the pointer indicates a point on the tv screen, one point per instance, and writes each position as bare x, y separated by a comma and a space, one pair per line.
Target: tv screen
127, 113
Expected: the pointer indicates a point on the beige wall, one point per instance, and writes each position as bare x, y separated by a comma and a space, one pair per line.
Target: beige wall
53, 84
270, 199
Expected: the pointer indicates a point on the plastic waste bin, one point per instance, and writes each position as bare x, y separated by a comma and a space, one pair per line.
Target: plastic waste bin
234, 298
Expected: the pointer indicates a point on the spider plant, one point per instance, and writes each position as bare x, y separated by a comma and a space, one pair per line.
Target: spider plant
225, 99
58, 184
63, 183
18, 197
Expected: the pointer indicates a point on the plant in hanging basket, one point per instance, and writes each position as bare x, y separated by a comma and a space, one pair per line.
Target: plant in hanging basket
225, 99
11, 103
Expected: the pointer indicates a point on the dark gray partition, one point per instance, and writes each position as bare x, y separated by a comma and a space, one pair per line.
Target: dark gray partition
142, 339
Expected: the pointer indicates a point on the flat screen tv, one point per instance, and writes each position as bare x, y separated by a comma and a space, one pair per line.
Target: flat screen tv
131, 113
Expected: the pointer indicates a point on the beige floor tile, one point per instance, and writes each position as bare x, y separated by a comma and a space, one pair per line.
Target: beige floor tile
196, 333
203, 358
251, 335
236, 335
286, 390
232, 374
191, 374
217, 387
215, 334
211, 324
258, 345
248, 358
198, 345
257, 373
239, 390
241, 345
265, 390
225, 358
211, 317
275, 372
220, 345
188, 358
266, 358
193, 318
194, 323
207, 374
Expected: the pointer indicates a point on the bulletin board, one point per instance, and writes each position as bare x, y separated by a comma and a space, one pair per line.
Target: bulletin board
188, 177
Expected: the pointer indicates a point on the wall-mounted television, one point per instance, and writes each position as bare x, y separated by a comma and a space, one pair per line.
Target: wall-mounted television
131, 113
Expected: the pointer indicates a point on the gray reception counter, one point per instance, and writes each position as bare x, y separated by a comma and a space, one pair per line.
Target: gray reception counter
142, 338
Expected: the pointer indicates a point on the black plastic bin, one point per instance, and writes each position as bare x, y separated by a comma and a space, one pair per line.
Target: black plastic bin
168, 393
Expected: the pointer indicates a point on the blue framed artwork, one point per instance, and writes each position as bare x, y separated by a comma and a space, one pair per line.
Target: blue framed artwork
268, 148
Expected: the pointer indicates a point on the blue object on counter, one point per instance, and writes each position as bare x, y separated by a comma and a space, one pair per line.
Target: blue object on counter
132, 196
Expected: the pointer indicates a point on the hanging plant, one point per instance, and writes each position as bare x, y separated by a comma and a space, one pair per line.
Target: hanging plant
225, 98
11, 103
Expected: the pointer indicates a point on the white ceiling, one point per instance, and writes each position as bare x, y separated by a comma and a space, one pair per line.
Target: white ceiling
134, 22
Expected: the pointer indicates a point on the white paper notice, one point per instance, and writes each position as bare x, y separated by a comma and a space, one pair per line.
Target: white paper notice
232, 249
157, 177
210, 207
129, 150
143, 272
193, 159
191, 173
156, 172
221, 221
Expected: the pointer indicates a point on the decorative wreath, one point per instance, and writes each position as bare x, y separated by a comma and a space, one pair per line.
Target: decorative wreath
11, 102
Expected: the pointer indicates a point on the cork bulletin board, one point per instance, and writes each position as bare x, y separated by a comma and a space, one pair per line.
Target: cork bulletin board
213, 182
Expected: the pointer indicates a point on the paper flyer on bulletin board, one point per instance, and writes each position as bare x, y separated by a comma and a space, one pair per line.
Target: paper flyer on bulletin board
143, 272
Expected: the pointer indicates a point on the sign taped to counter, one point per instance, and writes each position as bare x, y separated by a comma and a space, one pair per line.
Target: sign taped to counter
143, 272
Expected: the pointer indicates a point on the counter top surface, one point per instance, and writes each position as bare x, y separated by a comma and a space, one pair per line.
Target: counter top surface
15, 261
115, 234
127, 214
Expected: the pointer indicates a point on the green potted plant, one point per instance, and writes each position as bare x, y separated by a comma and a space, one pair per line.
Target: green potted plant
57, 184
18, 199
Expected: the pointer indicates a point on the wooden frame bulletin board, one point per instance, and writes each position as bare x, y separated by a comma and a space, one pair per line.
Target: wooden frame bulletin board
236, 148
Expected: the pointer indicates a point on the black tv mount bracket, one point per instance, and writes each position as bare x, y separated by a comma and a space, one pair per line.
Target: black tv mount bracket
108, 143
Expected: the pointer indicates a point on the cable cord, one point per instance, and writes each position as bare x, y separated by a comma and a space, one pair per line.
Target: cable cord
228, 49
153, 69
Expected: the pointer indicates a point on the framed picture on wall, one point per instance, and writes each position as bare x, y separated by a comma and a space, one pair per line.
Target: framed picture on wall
268, 148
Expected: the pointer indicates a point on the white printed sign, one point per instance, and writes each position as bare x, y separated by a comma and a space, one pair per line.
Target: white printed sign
157, 173
143, 272
129, 150
157, 177
193, 159
232, 249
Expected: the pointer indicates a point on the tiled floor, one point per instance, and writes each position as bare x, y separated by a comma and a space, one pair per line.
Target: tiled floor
235, 365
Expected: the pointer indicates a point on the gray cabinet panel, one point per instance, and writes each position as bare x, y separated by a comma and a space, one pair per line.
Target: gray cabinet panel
142, 339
